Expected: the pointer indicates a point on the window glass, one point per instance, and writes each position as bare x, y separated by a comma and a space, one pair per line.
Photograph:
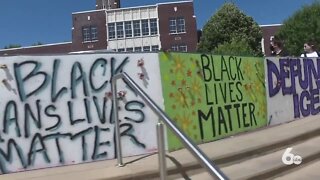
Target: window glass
129, 50
153, 27
177, 25
94, 33
86, 34
175, 48
128, 28
136, 28
146, 48
155, 48
145, 27
137, 49
120, 30
111, 30
172, 25
181, 26
183, 48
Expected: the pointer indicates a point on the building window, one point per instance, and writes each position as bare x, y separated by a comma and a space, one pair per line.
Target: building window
183, 48
172, 25
181, 25
145, 27
111, 30
120, 30
128, 28
86, 34
94, 33
155, 48
129, 49
177, 25
89, 33
136, 28
137, 49
146, 48
121, 50
153, 27
175, 48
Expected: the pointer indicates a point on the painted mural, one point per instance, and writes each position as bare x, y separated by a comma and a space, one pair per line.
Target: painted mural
293, 88
57, 110
210, 96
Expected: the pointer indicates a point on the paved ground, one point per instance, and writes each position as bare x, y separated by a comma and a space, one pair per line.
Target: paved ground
141, 166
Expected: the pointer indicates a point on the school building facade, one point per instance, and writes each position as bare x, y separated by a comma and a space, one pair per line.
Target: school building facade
163, 26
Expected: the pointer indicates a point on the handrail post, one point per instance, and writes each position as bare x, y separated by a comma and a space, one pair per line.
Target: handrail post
116, 121
161, 152
193, 148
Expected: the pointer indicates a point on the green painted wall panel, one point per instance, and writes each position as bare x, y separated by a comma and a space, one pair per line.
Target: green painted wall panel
212, 97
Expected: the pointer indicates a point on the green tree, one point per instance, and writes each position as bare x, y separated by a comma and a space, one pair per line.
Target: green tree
302, 26
37, 43
228, 26
238, 47
10, 46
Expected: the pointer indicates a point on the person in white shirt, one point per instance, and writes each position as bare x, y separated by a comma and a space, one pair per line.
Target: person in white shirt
309, 50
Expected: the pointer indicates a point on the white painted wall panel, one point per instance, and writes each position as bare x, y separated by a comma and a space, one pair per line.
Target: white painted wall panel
57, 109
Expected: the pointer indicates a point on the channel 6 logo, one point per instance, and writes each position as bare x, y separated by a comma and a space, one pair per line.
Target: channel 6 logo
288, 158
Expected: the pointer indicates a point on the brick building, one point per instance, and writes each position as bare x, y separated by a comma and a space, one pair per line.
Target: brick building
167, 26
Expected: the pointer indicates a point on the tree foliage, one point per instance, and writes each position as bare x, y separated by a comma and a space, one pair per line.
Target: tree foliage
10, 46
302, 26
230, 25
238, 47
37, 43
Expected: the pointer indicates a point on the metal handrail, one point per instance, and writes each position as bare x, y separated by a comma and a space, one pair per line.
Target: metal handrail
194, 149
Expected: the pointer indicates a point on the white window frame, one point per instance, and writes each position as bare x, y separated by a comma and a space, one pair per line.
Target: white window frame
155, 48
86, 34
136, 29
146, 48
177, 25
172, 25
137, 49
121, 50
120, 31
94, 33
111, 30
153, 26
181, 25
175, 48
183, 48
129, 49
145, 27
128, 28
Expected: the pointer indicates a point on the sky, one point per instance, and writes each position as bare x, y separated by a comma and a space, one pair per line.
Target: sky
26, 22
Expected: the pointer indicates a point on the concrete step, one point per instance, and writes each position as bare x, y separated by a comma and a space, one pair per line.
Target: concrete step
226, 152
271, 165
309, 172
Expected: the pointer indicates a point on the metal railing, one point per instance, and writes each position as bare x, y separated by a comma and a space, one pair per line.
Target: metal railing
194, 149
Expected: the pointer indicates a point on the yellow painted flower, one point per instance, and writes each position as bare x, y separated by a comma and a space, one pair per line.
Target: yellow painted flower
179, 66
196, 87
181, 98
185, 122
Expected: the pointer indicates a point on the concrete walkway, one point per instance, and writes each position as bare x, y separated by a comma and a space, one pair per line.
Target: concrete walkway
226, 153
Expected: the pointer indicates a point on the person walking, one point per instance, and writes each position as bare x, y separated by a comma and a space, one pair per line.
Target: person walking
310, 50
278, 48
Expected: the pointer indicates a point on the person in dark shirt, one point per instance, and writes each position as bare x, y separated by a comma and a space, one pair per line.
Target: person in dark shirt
277, 48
